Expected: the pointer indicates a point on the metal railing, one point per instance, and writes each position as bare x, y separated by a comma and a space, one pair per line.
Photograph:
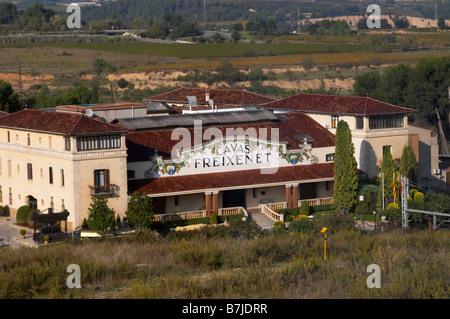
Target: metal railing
108, 190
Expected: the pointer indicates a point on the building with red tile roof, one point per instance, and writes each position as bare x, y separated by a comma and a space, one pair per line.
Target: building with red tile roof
242, 169
375, 126
60, 161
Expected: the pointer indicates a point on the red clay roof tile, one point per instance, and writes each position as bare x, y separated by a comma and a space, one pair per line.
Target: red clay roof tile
219, 96
164, 185
333, 104
58, 123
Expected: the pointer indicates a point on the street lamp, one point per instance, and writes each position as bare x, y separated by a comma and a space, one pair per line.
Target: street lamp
375, 214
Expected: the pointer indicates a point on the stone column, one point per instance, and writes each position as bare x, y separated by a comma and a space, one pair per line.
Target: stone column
215, 209
288, 196
295, 195
208, 203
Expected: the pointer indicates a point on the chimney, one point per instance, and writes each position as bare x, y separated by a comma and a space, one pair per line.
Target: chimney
207, 95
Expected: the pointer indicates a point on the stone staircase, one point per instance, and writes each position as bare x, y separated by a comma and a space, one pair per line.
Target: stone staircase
262, 220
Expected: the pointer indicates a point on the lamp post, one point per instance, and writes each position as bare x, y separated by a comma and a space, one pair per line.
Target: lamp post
324, 232
375, 214
361, 199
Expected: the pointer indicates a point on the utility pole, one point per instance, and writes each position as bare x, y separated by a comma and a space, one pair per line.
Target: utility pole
204, 12
382, 186
20, 86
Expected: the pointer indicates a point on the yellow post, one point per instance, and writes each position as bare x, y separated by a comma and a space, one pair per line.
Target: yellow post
324, 231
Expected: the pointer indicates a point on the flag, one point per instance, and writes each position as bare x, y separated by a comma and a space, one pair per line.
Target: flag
394, 191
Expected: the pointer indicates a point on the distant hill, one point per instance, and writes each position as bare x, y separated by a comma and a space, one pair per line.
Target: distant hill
284, 12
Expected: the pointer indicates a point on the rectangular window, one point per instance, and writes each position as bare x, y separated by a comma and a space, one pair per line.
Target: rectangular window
327, 185
9, 137
334, 121
50, 175
62, 177
98, 142
254, 193
30, 171
67, 143
63, 207
10, 196
52, 204
330, 157
387, 121
101, 178
49, 142
176, 199
9, 167
359, 123
28, 139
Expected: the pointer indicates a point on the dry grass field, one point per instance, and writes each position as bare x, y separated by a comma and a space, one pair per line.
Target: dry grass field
238, 264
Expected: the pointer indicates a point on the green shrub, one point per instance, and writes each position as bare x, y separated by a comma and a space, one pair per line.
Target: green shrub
300, 226
279, 227
279, 224
23, 214
213, 219
393, 206
418, 196
289, 218
412, 192
304, 208
393, 214
334, 222
46, 238
23, 232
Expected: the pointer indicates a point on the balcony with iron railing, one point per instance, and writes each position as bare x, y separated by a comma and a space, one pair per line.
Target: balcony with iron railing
104, 190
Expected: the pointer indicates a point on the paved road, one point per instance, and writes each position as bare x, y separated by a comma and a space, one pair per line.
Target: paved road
10, 237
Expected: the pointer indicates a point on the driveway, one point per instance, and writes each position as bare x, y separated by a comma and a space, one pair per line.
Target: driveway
10, 237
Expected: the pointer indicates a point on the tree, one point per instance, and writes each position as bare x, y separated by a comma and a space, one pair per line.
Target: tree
235, 35
345, 166
441, 24
157, 30
366, 83
140, 210
9, 100
101, 217
122, 83
137, 23
408, 164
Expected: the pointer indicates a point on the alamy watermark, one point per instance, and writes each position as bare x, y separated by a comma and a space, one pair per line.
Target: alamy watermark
374, 20
73, 280
374, 280
74, 20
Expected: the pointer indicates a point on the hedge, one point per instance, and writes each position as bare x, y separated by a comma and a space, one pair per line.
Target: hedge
167, 224
312, 209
